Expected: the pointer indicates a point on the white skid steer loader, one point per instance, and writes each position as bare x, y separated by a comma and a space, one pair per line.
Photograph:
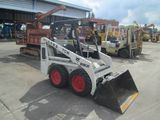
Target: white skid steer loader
88, 71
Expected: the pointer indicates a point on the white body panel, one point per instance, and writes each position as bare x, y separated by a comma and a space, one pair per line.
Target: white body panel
75, 61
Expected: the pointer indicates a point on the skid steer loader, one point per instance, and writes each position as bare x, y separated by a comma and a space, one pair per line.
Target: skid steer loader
87, 71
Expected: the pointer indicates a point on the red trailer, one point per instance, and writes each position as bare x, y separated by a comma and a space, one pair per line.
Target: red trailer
34, 31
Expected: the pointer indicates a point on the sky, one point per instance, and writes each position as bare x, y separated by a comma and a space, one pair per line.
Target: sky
125, 11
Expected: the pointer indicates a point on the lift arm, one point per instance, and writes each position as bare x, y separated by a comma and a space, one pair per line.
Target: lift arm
40, 16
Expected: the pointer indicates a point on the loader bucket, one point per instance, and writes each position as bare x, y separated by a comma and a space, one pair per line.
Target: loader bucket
117, 93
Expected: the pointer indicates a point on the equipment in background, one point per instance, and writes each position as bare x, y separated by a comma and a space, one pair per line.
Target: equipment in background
87, 71
154, 34
86, 29
6, 30
34, 31
122, 42
149, 32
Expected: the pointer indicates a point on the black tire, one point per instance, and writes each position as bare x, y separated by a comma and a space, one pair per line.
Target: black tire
103, 50
62, 72
124, 53
88, 85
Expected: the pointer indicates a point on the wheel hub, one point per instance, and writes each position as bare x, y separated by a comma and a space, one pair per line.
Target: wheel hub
56, 77
78, 83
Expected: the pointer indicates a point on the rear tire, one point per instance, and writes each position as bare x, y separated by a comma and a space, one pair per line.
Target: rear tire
124, 53
80, 82
58, 76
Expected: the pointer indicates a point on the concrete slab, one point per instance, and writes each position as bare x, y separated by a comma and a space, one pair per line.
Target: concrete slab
26, 94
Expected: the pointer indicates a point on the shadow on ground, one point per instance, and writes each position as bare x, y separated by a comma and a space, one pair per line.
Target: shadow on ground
142, 57
34, 62
46, 102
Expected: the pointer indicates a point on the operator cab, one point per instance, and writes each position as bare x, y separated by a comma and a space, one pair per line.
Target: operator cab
72, 33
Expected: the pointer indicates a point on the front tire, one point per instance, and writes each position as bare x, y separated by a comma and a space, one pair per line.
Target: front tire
124, 53
80, 82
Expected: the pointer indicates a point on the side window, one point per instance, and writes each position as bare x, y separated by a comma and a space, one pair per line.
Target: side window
43, 53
